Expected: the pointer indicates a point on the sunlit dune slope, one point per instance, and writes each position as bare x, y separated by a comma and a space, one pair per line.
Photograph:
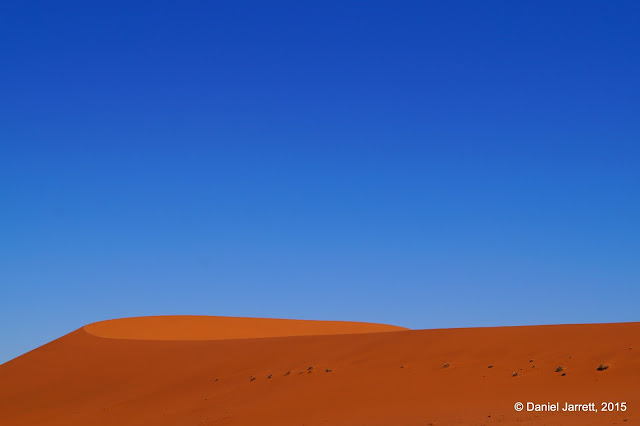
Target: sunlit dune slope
406, 377
222, 328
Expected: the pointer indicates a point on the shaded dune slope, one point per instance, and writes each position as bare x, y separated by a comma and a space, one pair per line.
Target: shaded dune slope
386, 378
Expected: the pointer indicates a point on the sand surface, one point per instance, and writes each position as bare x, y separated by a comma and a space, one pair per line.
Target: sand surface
224, 328
198, 370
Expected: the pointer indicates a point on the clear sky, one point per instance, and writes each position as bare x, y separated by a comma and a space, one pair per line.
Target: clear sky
424, 164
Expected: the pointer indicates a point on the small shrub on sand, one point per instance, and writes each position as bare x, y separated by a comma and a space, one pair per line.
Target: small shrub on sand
559, 369
447, 365
602, 367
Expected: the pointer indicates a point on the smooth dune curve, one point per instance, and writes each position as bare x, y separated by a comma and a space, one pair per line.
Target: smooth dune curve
191, 327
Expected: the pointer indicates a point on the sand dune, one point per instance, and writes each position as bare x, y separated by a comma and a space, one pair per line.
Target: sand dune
222, 328
147, 372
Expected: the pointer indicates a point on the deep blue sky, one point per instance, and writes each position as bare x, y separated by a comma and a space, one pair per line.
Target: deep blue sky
425, 164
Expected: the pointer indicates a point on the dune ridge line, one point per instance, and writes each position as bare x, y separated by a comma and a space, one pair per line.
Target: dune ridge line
194, 327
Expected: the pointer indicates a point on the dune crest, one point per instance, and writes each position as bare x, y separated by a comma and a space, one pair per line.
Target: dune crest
190, 327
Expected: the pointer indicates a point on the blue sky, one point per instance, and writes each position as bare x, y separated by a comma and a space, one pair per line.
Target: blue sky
425, 164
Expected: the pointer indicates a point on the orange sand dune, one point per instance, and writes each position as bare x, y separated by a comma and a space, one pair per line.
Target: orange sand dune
386, 378
223, 328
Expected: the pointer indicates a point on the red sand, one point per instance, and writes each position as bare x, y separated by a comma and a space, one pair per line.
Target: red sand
224, 328
377, 378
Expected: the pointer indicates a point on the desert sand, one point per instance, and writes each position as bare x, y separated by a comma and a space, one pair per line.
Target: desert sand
242, 371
